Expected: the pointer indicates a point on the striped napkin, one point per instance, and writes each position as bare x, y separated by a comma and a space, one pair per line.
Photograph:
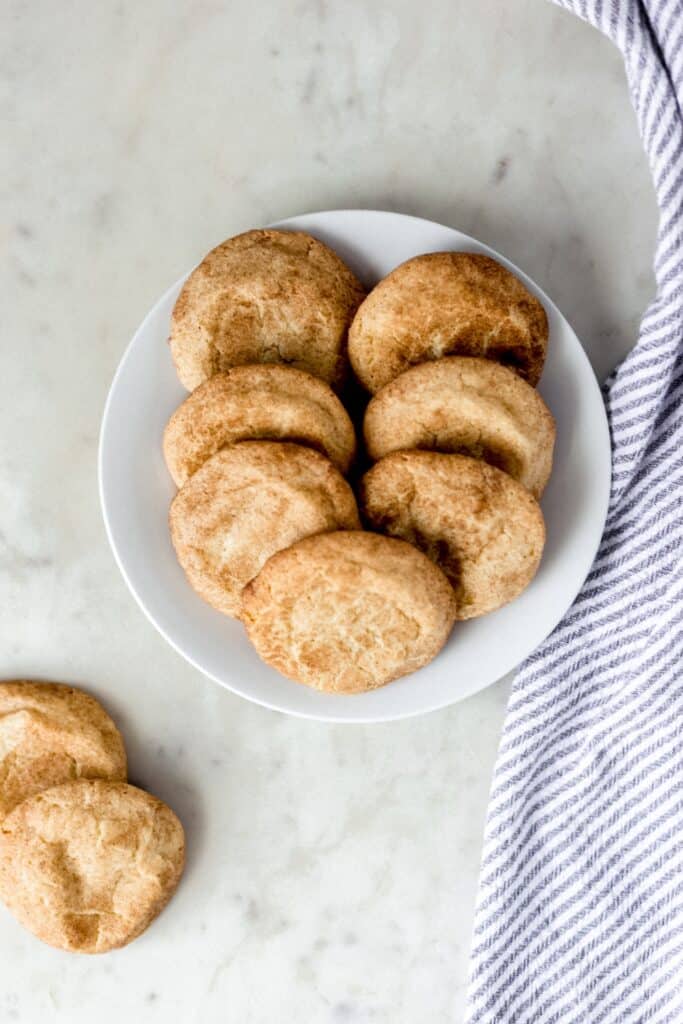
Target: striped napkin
580, 910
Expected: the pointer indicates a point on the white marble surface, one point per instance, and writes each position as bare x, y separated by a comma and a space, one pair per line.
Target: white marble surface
332, 870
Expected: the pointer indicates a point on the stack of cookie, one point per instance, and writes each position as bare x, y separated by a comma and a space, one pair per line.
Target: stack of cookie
87, 861
265, 524
450, 345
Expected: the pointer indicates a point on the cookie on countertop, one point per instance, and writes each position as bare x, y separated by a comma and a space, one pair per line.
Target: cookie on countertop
88, 865
248, 501
347, 612
468, 406
268, 402
484, 529
447, 303
265, 297
51, 733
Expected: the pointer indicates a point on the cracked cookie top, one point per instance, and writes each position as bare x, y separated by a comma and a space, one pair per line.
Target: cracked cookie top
484, 529
88, 865
347, 612
248, 501
267, 402
265, 297
51, 733
447, 303
468, 406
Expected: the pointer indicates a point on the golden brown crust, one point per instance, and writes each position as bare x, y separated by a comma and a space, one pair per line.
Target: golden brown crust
447, 303
468, 406
51, 733
478, 524
255, 402
247, 502
88, 865
265, 297
347, 612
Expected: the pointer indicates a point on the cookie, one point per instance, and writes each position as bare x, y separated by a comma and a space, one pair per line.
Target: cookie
482, 528
51, 733
88, 865
252, 402
347, 612
265, 297
247, 502
461, 404
447, 303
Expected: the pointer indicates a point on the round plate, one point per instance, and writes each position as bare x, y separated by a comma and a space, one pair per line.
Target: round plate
136, 491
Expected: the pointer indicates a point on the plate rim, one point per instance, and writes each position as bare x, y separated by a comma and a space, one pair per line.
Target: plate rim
324, 716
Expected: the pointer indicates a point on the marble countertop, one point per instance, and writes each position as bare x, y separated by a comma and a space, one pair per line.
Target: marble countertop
332, 869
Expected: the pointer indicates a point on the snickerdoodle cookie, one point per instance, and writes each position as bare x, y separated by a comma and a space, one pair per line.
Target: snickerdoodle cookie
447, 303
257, 402
248, 501
88, 865
347, 612
51, 733
484, 529
265, 297
465, 405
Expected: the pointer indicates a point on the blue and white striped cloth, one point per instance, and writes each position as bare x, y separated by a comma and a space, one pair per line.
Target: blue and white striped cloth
580, 911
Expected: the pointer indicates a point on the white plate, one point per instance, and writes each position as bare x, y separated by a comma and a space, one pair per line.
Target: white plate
136, 490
